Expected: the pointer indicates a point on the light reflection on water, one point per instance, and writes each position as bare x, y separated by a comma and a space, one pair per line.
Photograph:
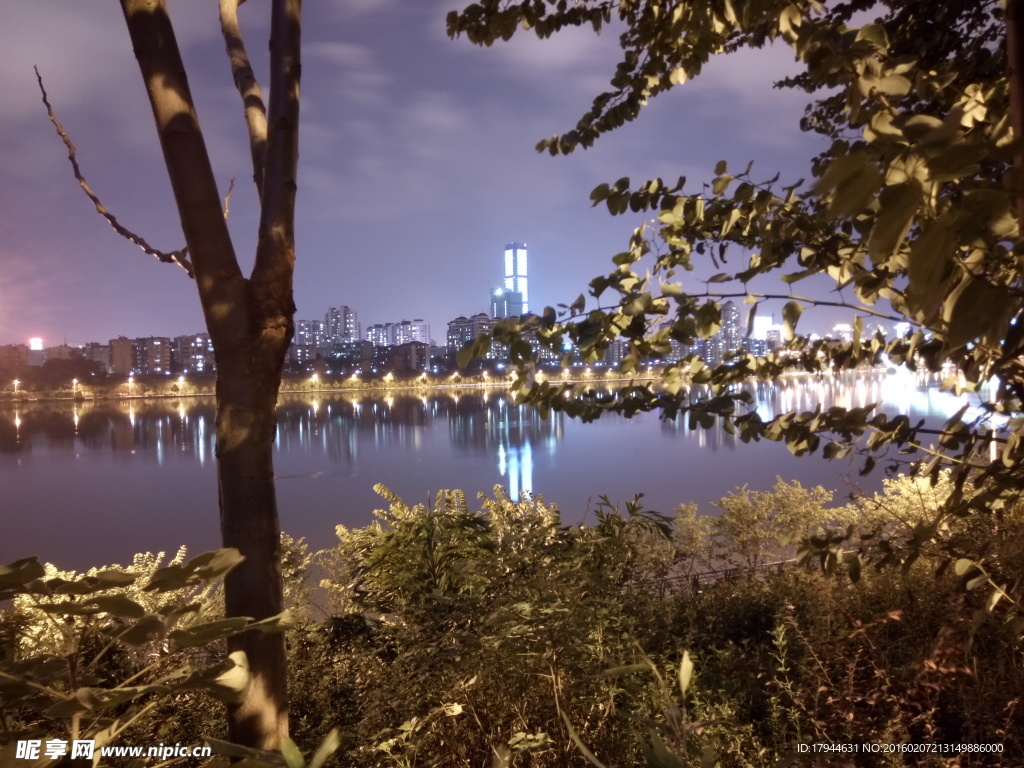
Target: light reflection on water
97, 481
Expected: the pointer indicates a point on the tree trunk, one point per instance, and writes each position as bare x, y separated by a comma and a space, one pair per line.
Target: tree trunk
250, 324
247, 388
1015, 80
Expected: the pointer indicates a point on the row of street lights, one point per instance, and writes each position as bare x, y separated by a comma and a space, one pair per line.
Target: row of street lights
131, 384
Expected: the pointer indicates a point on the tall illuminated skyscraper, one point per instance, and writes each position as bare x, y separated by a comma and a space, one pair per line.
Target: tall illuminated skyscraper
515, 272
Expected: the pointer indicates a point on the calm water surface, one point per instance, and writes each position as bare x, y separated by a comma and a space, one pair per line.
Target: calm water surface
94, 483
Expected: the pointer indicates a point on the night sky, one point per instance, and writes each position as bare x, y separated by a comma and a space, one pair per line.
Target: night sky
417, 162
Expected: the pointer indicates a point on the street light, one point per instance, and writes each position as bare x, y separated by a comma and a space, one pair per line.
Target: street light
16, 383
74, 386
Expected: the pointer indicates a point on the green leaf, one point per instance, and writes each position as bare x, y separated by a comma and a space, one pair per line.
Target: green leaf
327, 748
291, 754
281, 622
201, 634
21, 572
118, 605
875, 34
685, 673
721, 183
930, 266
958, 160
205, 567
145, 630
963, 565
708, 319
849, 183
893, 85
720, 167
734, 216
980, 310
899, 204
977, 581
226, 681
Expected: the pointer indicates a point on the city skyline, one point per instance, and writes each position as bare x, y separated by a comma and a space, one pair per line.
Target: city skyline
417, 163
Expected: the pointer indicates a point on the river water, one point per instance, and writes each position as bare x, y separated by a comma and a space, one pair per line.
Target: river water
93, 483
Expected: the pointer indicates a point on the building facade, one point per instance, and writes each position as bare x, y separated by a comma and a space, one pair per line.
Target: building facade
122, 356
515, 273
462, 330
506, 303
152, 356
342, 324
193, 353
310, 333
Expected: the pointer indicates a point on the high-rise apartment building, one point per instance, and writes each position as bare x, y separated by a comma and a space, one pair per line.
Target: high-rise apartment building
393, 334
463, 330
122, 356
380, 334
193, 353
515, 273
342, 324
152, 356
732, 328
310, 333
506, 303
417, 330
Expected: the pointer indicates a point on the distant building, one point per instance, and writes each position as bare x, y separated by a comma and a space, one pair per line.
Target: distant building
193, 353
300, 356
411, 357
152, 356
506, 303
515, 273
60, 352
350, 356
462, 330
342, 324
419, 331
97, 353
310, 333
122, 356
732, 326
394, 334
380, 334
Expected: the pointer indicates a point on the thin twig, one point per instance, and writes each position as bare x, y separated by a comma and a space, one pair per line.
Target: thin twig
227, 198
179, 257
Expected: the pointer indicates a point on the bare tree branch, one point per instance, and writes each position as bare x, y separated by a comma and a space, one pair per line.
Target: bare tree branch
248, 87
227, 198
179, 257
275, 250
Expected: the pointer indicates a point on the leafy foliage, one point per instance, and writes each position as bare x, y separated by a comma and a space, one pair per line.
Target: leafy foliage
913, 214
501, 636
92, 655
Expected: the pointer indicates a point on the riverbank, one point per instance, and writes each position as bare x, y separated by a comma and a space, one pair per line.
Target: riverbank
146, 388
